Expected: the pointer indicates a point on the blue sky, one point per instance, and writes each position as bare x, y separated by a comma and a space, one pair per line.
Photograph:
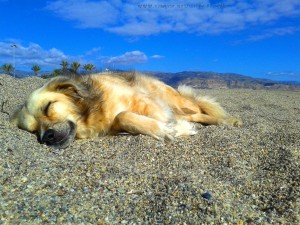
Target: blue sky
259, 38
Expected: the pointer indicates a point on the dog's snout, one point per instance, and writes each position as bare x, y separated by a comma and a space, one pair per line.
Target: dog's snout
60, 135
49, 137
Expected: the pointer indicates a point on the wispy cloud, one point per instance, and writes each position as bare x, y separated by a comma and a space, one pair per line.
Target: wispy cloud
267, 34
151, 17
284, 75
273, 32
87, 14
93, 51
128, 58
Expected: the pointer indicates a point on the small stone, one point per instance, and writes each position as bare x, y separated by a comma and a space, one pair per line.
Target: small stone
207, 195
24, 179
61, 192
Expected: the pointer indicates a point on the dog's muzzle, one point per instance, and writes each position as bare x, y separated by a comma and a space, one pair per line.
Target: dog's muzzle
59, 135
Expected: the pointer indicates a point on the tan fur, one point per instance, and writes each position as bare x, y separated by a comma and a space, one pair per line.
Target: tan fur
110, 103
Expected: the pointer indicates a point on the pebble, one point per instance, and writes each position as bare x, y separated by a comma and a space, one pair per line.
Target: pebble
207, 195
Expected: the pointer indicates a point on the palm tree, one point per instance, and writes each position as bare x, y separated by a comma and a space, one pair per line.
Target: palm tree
36, 69
64, 65
89, 67
75, 66
7, 68
55, 73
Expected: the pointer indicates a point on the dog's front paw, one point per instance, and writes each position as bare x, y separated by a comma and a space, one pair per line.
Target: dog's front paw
166, 133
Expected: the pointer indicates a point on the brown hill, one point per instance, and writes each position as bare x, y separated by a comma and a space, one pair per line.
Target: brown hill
210, 80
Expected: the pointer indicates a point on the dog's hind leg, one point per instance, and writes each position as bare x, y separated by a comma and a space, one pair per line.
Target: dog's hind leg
210, 112
138, 124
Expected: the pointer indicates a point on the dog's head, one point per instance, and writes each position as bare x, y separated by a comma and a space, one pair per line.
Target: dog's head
52, 111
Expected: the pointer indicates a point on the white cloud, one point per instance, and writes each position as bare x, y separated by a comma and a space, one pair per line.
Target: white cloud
157, 56
148, 17
88, 13
128, 58
33, 54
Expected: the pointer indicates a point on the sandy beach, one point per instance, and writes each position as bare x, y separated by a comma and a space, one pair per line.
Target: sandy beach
222, 175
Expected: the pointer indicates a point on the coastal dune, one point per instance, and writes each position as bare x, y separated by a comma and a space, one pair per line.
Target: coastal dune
221, 175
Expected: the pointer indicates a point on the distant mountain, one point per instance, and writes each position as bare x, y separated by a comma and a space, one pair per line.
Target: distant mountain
211, 80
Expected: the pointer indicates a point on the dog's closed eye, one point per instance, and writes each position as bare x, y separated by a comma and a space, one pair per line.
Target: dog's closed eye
46, 109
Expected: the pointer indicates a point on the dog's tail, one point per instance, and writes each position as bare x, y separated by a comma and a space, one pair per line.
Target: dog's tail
208, 106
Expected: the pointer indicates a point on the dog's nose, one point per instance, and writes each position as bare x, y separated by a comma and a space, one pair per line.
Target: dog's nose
49, 137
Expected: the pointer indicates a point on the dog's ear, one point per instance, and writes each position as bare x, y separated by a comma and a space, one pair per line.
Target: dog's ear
68, 87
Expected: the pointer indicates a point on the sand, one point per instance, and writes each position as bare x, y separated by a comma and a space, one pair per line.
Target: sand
222, 175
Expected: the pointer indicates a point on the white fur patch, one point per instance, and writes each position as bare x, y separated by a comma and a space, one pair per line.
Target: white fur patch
184, 128
166, 132
186, 90
191, 92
